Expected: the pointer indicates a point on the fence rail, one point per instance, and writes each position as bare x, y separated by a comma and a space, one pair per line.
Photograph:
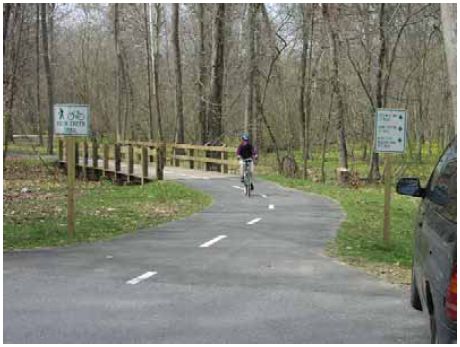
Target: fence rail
130, 160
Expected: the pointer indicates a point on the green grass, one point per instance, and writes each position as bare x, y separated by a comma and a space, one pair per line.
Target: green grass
403, 164
103, 210
360, 237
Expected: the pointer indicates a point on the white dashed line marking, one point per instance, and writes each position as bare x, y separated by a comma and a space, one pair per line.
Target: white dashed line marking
238, 187
254, 221
271, 207
213, 241
264, 196
137, 279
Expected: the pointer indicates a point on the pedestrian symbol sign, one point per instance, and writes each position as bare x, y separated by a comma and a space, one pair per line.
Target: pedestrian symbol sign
390, 131
71, 119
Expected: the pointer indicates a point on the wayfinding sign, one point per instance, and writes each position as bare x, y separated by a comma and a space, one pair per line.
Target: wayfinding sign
71, 119
390, 130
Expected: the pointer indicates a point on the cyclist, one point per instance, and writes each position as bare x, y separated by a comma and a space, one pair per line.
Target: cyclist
246, 151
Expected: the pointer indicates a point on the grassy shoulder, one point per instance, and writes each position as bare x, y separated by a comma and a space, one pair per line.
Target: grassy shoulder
36, 217
359, 241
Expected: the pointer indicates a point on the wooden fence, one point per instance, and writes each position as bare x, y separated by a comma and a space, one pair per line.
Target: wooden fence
130, 160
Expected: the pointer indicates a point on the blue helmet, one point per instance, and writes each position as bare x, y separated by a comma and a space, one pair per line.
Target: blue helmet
245, 137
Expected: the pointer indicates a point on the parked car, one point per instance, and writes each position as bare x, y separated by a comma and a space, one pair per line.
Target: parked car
434, 270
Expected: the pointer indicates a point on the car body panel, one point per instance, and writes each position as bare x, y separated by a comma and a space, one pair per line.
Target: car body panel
435, 241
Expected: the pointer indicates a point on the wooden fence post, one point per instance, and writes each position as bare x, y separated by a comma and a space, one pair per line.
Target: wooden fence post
95, 154
224, 166
117, 149
161, 157
106, 159
130, 162
144, 164
191, 155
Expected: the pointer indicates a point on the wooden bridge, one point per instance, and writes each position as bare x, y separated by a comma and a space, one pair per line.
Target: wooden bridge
140, 162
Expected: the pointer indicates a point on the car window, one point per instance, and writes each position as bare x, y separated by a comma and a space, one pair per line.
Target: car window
442, 190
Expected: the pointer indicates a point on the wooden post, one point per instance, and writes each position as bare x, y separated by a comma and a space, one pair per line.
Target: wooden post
106, 159
71, 184
85, 159
130, 162
161, 152
95, 154
387, 201
61, 149
191, 155
144, 164
224, 166
117, 150
176, 161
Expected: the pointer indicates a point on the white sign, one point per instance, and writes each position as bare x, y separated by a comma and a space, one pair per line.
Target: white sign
390, 131
71, 119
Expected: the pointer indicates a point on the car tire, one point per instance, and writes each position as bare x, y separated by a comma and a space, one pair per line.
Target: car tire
414, 296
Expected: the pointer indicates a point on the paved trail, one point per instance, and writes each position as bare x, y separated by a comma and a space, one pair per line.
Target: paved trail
242, 271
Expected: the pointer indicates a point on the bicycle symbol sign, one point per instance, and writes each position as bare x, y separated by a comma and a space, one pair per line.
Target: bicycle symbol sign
71, 119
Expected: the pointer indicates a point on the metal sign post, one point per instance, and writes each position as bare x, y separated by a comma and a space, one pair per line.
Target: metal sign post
390, 137
71, 120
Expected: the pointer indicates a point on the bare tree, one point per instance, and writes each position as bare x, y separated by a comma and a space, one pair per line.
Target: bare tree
330, 13
148, 35
203, 76
180, 132
119, 72
37, 44
156, 59
217, 75
155, 46
449, 30
48, 71
251, 69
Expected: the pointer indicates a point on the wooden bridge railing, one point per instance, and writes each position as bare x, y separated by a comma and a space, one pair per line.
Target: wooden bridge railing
94, 157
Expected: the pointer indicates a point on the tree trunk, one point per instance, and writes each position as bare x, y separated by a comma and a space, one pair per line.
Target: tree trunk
374, 173
6, 19
251, 67
303, 68
449, 31
49, 76
148, 36
37, 44
217, 75
203, 79
311, 78
180, 135
325, 136
156, 60
119, 74
330, 11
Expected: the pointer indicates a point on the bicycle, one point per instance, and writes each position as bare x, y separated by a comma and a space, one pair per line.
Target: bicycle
247, 177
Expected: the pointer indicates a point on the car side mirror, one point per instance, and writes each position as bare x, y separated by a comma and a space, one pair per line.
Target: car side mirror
410, 186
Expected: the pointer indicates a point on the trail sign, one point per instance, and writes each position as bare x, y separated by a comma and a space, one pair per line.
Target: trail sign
390, 137
71, 119
390, 130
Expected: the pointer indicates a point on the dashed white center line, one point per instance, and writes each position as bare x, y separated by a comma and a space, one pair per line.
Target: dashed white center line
213, 241
254, 221
142, 277
238, 187
264, 196
271, 207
